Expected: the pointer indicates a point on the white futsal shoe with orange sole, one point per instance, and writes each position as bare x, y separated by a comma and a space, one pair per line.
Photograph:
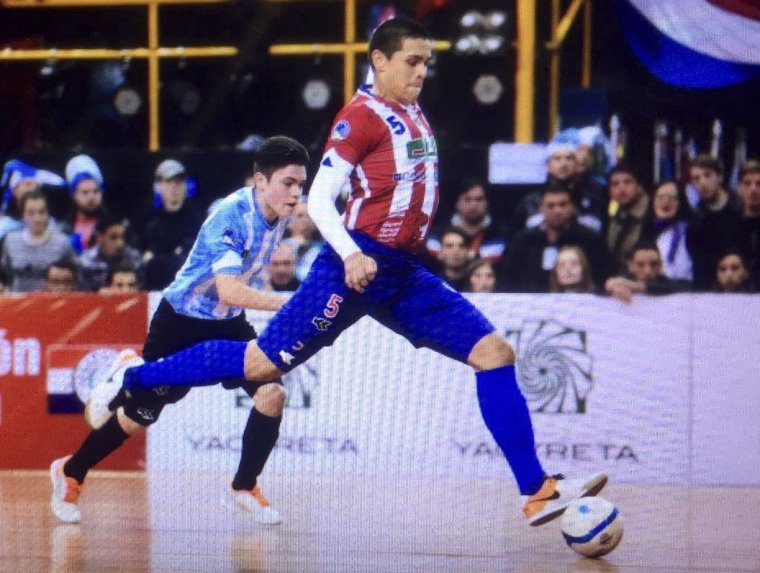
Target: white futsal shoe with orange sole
96, 411
253, 501
556, 493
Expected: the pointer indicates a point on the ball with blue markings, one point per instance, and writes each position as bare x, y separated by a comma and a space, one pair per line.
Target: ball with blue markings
592, 526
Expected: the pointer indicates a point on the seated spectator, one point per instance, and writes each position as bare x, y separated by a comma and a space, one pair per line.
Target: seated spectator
644, 275
172, 228
282, 268
18, 179
110, 250
481, 276
485, 238
61, 276
749, 229
27, 253
454, 258
86, 186
732, 274
672, 215
717, 219
121, 278
304, 234
533, 253
571, 272
3, 281
628, 219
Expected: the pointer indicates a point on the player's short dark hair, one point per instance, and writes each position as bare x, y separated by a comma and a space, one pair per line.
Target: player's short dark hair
706, 161
389, 36
277, 152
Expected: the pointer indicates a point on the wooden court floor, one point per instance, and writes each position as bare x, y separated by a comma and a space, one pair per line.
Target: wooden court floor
175, 522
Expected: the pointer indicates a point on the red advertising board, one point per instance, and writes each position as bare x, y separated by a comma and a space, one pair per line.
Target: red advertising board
53, 347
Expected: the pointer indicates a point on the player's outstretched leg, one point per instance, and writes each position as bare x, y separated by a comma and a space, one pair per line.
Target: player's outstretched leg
203, 364
506, 414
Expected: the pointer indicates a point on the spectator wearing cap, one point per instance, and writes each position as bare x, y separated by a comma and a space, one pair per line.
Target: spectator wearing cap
85, 182
561, 172
172, 227
17, 180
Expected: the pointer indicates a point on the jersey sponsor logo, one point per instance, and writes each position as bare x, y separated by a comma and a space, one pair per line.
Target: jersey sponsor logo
421, 147
410, 176
396, 124
341, 130
322, 324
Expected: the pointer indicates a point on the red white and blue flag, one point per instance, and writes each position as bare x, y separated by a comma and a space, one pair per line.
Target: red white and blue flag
694, 43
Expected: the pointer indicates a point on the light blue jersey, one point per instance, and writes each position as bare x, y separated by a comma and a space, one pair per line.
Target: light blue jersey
235, 239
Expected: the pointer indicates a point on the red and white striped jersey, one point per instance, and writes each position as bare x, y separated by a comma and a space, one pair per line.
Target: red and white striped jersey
389, 152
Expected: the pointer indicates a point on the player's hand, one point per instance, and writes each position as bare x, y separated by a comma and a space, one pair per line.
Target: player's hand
360, 270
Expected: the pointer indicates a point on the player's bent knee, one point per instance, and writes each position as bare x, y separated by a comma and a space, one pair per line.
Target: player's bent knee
257, 366
270, 399
128, 424
491, 351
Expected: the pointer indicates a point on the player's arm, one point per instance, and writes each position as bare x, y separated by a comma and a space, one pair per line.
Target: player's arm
233, 291
360, 269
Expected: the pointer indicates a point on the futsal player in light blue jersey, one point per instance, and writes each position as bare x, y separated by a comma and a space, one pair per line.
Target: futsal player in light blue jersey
205, 302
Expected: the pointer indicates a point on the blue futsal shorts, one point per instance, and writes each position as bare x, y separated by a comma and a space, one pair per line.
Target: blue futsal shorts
404, 296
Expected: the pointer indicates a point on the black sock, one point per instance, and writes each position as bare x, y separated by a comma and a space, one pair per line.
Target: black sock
95, 447
260, 436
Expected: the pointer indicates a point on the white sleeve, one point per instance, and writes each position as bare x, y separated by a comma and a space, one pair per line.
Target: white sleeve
332, 176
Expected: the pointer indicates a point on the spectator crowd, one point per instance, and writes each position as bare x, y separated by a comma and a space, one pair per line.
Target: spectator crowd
587, 229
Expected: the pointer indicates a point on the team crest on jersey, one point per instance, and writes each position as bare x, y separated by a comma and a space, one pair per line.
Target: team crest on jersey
341, 130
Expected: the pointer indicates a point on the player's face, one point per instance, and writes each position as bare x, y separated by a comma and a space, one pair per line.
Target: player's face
400, 77
280, 193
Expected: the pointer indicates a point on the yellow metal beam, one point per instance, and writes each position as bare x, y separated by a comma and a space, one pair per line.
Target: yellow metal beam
587, 39
84, 3
554, 64
560, 33
9, 54
525, 73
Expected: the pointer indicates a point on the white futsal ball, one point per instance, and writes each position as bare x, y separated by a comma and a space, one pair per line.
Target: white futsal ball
592, 526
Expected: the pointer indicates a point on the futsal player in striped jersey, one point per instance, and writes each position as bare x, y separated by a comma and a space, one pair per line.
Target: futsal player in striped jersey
383, 147
206, 301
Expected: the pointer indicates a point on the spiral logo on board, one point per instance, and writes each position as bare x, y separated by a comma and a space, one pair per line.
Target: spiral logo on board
554, 369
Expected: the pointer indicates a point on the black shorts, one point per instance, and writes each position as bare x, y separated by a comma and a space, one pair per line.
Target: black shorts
171, 332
